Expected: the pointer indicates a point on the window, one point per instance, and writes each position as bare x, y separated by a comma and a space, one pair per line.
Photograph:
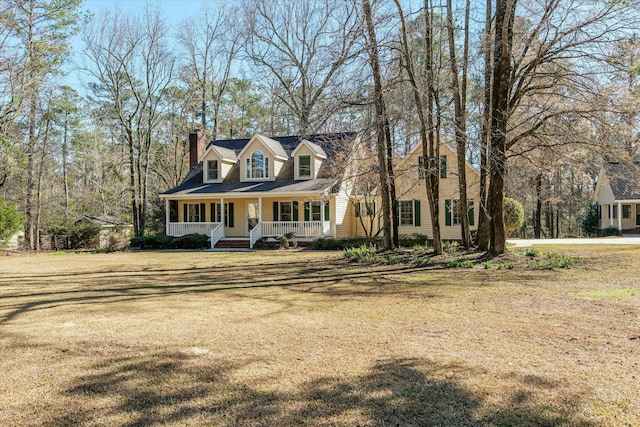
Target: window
304, 166
216, 213
366, 209
626, 211
315, 211
257, 166
285, 211
443, 166
421, 167
453, 212
614, 208
193, 212
212, 170
409, 212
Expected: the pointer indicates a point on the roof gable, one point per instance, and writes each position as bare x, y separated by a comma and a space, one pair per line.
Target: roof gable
273, 146
314, 148
222, 153
623, 179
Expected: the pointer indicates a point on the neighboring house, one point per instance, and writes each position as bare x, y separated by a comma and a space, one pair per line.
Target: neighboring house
618, 196
109, 225
244, 189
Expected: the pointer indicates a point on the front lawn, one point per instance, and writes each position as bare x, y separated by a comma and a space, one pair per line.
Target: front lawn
283, 338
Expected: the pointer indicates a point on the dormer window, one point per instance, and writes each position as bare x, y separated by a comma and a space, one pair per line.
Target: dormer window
212, 170
257, 165
304, 166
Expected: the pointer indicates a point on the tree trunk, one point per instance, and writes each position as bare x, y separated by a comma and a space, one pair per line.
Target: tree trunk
459, 102
485, 140
537, 224
500, 112
380, 126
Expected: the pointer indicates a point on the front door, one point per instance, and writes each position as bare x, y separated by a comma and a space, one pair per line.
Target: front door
252, 216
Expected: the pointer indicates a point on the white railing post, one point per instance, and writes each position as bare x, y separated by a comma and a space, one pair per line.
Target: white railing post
217, 233
255, 234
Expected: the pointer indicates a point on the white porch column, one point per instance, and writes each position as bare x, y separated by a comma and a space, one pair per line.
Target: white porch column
611, 214
322, 216
222, 212
260, 209
620, 216
166, 216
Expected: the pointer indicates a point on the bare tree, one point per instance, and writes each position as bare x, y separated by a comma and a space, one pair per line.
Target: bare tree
305, 47
211, 42
131, 63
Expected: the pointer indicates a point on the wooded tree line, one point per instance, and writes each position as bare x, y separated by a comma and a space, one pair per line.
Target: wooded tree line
534, 93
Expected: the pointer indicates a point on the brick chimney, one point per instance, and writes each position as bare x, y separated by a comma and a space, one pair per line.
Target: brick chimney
197, 145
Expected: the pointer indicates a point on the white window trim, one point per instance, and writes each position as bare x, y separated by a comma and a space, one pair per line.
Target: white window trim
413, 213
249, 167
298, 163
207, 179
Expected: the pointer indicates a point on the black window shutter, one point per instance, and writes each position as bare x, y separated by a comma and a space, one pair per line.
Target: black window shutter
307, 207
447, 212
326, 211
212, 212
357, 209
230, 216
276, 217
471, 213
295, 210
416, 213
185, 213
202, 209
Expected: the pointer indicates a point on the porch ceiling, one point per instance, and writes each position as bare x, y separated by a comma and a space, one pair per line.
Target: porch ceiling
252, 189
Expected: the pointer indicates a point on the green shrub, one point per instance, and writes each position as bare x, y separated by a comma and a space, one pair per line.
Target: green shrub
191, 241
506, 265
84, 236
363, 253
459, 263
409, 240
393, 259
10, 220
159, 241
346, 243
513, 215
420, 248
532, 253
450, 246
611, 231
423, 261
590, 220
487, 265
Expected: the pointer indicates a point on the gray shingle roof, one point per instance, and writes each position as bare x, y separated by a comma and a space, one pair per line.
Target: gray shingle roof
330, 144
624, 179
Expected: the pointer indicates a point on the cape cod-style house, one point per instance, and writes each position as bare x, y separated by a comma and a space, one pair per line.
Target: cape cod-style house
240, 190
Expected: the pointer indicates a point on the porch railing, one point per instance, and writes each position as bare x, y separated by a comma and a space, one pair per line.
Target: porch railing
181, 228
300, 228
216, 234
255, 234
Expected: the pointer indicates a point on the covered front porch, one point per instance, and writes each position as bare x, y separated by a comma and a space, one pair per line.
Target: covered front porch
621, 214
250, 218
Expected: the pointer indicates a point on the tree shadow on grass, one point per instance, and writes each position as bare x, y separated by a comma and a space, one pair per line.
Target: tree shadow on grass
179, 389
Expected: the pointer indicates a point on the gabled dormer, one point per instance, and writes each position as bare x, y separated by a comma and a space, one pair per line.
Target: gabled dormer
261, 159
216, 163
307, 160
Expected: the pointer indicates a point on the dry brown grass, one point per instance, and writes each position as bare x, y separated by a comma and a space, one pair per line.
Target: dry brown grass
304, 338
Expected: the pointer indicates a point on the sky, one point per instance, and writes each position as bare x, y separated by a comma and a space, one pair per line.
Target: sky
174, 11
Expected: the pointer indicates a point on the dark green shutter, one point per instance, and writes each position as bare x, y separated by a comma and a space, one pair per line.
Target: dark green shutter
230, 216
326, 211
185, 213
212, 212
307, 207
447, 212
471, 213
416, 213
202, 212
357, 209
295, 210
443, 166
421, 167
275, 211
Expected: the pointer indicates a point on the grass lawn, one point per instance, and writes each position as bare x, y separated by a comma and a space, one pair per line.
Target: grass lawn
288, 338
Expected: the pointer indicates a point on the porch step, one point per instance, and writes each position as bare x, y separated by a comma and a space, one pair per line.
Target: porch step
232, 243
